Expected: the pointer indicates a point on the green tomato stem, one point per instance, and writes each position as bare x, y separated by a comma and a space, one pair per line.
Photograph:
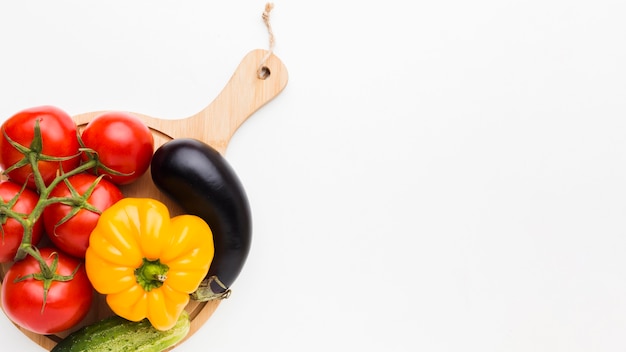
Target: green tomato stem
34, 162
46, 271
47, 274
44, 200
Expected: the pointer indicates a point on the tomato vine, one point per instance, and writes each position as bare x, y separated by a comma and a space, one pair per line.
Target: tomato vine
32, 156
58, 179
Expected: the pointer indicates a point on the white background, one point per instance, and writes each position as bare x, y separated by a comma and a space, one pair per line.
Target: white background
437, 175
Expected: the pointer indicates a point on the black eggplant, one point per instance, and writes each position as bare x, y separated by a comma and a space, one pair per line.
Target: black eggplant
200, 180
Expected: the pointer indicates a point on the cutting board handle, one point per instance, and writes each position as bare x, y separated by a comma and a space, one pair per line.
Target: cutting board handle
244, 94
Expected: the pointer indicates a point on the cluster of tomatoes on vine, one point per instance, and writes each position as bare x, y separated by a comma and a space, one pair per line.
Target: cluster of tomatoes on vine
57, 179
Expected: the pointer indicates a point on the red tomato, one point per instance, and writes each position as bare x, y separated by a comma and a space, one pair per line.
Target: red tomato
123, 143
72, 236
12, 230
66, 303
59, 138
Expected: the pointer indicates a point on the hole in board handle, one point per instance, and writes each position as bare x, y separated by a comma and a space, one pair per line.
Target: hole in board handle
264, 73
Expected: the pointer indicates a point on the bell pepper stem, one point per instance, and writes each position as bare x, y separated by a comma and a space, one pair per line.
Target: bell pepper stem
151, 274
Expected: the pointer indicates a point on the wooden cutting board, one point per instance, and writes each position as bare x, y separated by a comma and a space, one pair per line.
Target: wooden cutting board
245, 93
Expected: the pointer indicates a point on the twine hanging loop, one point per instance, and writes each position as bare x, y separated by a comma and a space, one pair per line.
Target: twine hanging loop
263, 71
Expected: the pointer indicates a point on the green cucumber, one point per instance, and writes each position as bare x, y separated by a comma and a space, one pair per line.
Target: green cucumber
118, 334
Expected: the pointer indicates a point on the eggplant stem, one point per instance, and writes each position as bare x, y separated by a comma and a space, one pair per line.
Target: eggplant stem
205, 293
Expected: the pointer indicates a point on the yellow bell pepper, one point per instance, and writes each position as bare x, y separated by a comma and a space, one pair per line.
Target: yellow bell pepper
146, 263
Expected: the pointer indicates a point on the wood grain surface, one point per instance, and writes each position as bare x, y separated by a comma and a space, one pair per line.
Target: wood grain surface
244, 94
